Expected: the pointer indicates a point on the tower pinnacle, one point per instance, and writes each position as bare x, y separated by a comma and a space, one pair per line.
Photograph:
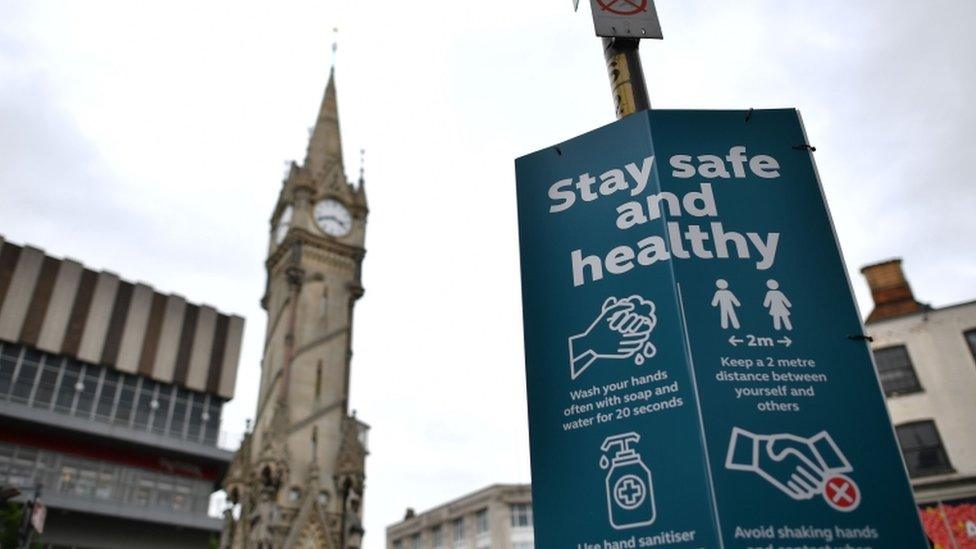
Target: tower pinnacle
325, 145
362, 165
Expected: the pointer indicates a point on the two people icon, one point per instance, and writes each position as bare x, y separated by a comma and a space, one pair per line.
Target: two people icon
775, 301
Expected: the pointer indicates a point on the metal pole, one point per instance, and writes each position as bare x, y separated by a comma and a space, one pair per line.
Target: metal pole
626, 75
26, 531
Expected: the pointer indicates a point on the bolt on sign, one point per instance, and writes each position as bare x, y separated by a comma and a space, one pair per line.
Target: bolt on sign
626, 18
694, 366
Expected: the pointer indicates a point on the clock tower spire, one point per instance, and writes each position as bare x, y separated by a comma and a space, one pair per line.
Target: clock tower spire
325, 142
299, 475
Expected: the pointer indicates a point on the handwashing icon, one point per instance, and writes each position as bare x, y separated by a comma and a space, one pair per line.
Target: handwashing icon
621, 330
630, 492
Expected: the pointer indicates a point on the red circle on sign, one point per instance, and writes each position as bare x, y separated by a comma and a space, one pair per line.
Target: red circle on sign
842, 493
623, 7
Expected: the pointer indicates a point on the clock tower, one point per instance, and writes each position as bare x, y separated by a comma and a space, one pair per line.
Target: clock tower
298, 477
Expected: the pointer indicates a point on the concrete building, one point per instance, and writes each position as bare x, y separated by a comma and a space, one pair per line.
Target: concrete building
926, 359
110, 400
298, 478
496, 517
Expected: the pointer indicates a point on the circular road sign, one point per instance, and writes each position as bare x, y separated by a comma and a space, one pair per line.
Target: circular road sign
623, 7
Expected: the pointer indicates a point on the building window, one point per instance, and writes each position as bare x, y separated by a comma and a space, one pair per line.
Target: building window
481, 521
48, 383
164, 494
25, 376
318, 379
458, 528
398, 544
437, 537
415, 541
895, 371
971, 340
69, 477
9, 356
195, 421
145, 397
212, 420
127, 397
143, 492
923, 450
6, 458
162, 410
86, 396
87, 478
181, 499
68, 387
521, 515
180, 406
103, 490
106, 399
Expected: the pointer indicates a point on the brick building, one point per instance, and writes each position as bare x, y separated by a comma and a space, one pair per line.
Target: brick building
926, 359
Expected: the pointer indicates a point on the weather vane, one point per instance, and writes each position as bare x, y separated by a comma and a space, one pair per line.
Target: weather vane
335, 44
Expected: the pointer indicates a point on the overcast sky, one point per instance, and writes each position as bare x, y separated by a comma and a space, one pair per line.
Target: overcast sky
149, 138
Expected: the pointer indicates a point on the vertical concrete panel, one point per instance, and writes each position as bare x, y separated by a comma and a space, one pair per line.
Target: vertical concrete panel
217, 351
169, 339
196, 377
185, 349
150, 343
59, 309
99, 314
9, 257
232, 356
30, 331
19, 293
135, 329
116, 323
79, 313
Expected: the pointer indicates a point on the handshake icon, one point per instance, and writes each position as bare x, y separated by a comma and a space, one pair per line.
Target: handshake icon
799, 467
620, 331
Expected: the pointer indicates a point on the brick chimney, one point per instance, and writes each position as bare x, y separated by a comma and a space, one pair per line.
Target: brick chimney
890, 290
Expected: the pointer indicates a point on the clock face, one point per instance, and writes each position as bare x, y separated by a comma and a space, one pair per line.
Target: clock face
284, 222
333, 218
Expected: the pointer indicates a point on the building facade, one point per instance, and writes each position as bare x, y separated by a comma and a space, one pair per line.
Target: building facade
110, 402
926, 360
298, 478
496, 517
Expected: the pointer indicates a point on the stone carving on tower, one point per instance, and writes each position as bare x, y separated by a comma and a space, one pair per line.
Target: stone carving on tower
298, 479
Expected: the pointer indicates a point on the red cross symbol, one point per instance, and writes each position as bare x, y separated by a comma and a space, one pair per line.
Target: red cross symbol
842, 493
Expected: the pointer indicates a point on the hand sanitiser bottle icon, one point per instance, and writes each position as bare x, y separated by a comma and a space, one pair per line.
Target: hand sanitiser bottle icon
630, 493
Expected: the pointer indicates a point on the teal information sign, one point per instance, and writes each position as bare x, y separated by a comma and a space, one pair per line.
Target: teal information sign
694, 361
